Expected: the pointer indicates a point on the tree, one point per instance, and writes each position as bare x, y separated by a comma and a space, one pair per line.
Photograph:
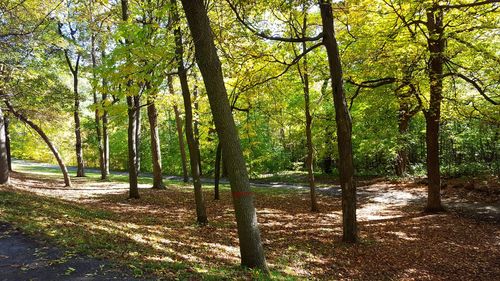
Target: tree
132, 112
97, 20
304, 76
36, 128
74, 69
4, 161
180, 136
201, 215
155, 141
7, 142
436, 31
344, 126
252, 252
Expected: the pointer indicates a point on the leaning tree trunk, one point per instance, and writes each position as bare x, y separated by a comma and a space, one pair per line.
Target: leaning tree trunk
132, 129
436, 45
252, 252
178, 124
155, 145
188, 110
7, 142
45, 138
4, 161
344, 126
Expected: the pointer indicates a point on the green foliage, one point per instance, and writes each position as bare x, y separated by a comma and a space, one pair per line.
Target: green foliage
263, 82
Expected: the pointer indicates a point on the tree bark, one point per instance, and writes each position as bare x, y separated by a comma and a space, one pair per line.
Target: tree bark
97, 119
252, 252
218, 158
196, 124
304, 75
155, 145
7, 142
105, 142
137, 102
80, 171
4, 159
178, 123
132, 130
344, 126
188, 110
132, 148
64, 170
436, 45
105, 135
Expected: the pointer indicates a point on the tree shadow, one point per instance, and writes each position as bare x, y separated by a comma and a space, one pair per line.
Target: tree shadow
158, 233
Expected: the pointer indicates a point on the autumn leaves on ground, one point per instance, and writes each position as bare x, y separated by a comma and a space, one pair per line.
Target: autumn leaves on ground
156, 236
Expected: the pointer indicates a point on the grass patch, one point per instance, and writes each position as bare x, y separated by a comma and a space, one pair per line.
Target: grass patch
157, 233
126, 239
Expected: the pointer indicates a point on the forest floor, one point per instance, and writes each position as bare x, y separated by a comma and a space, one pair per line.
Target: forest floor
156, 237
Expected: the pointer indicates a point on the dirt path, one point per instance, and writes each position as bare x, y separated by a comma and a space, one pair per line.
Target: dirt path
24, 258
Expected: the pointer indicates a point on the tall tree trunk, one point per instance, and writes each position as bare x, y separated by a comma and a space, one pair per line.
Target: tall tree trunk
188, 110
344, 126
42, 134
132, 129
105, 134
137, 102
105, 143
218, 158
196, 124
252, 252
132, 148
80, 171
155, 145
310, 149
4, 159
7, 142
178, 123
97, 118
304, 75
436, 45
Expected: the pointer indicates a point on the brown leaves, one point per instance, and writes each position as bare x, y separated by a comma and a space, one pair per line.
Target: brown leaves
158, 233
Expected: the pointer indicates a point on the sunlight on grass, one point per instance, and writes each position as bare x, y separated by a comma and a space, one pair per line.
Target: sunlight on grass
157, 234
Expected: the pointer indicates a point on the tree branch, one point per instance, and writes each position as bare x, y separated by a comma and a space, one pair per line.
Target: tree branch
270, 37
369, 84
467, 5
474, 84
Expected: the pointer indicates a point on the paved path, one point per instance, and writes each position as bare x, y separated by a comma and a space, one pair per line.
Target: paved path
24, 258
477, 210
